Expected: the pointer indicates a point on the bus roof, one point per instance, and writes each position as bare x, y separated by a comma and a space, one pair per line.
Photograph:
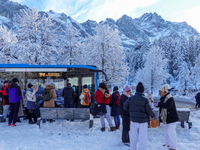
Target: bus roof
45, 66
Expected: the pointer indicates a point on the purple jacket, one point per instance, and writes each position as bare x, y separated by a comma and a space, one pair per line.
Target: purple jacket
14, 92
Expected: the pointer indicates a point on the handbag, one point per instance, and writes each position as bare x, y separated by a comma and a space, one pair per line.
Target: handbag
100, 110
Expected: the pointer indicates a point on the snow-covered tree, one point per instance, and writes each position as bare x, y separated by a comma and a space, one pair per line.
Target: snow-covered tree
153, 74
8, 49
104, 50
71, 46
36, 36
195, 74
192, 51
184, 76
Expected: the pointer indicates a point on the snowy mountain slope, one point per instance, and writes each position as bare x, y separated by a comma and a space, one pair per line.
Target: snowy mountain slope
149, 25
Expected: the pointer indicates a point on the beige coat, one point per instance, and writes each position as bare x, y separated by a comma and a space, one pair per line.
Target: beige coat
20, 112
51, 102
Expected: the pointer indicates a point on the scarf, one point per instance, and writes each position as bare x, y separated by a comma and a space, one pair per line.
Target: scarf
163, 113
107, 95
125, 93
29, 89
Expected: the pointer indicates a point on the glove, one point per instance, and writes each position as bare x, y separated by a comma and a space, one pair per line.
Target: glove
155, 104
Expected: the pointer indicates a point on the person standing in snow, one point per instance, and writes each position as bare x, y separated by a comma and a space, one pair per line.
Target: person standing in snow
197, 97
5, 97
114, 103
25, 103
151, 101
139, 109
15, 95
150, 98
168, 116
82, 97
69, 96
125, 114
31, 106
101, 94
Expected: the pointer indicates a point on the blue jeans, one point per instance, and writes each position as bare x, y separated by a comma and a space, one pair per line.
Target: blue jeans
69, 105
117, 120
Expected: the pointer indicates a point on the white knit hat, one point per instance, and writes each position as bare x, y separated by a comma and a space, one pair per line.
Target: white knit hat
164, 88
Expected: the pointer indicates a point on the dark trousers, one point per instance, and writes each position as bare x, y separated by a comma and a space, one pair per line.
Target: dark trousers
198, 104
27, 112
69, 105
84, 106
14, 108
34, 117
126, 128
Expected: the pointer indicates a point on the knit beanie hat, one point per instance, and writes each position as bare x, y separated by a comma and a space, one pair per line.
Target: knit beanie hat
127, 88
85, 86
30, 85
115, 88
140, 87
5, 82
164, 89
15, 80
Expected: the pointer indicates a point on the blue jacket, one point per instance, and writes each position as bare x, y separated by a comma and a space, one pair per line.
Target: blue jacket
14, 92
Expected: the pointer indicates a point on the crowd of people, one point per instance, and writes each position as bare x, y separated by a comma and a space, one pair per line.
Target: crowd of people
135, 110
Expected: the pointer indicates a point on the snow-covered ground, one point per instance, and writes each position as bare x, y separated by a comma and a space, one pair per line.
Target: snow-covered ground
65, 135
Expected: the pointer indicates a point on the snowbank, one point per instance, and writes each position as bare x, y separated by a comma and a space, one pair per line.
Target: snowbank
65, 135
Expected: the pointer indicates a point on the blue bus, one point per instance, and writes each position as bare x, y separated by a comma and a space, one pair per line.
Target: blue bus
59, 75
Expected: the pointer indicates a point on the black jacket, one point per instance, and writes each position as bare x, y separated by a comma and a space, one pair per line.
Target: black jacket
139, 108
122, 100
68, 94
114, 107
172, 115
197, 97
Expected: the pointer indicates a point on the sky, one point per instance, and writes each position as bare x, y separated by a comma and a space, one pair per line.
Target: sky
99, 10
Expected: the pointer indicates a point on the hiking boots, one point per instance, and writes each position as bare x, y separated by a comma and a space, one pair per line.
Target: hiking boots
117, 126
112, 128
103, 129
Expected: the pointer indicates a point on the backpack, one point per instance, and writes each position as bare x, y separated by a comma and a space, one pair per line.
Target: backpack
87, 97
117, 101
46, 95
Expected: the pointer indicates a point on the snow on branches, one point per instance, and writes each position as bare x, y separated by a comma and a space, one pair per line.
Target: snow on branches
36, 36
104, 50
154, 73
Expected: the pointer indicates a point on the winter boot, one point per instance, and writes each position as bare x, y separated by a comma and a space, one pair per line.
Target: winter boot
103, 129
112, 128
117, 126
172, 149
31, 122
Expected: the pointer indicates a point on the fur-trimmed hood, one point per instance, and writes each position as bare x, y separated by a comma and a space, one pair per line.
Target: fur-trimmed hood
107, 95
49, 86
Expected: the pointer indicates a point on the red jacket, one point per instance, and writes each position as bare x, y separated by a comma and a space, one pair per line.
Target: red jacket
5, 95
99, 97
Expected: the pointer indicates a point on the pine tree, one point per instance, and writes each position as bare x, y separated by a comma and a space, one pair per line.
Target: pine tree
192, 51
